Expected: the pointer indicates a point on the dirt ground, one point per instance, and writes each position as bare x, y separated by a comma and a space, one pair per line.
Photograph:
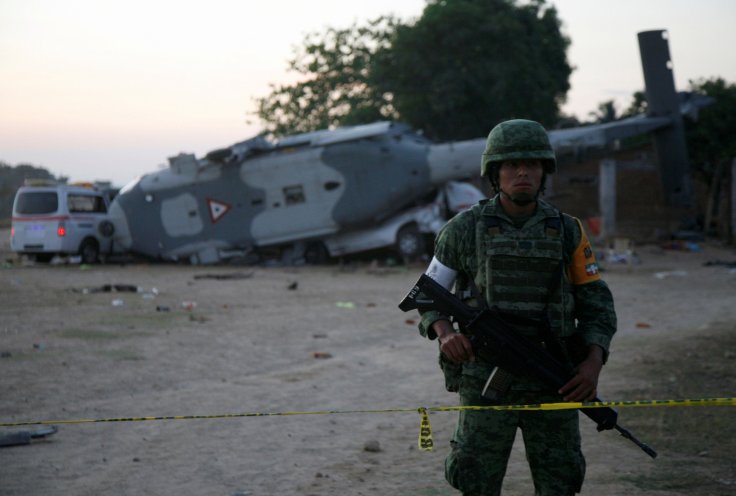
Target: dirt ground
303, 339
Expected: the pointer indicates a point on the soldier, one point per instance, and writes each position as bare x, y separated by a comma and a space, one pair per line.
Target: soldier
519, 255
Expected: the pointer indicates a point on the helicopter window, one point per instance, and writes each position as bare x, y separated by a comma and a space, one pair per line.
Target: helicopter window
294, 195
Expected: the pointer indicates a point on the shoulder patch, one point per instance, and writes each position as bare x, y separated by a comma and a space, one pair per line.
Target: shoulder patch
583, 266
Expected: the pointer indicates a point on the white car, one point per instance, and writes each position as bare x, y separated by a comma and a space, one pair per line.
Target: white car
61, 219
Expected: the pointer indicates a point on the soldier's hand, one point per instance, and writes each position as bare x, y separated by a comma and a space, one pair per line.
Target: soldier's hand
584, 385
456, 347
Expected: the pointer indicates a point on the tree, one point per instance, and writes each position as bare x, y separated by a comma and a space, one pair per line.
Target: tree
335, 88
465, 65
710, 138
461, 68
606, 112
637, 106
711, 146
12, 178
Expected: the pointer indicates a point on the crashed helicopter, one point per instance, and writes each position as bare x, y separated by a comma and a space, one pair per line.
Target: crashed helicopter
311, 194
333, 192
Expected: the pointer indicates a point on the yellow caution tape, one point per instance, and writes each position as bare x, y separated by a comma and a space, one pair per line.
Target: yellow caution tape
425, 430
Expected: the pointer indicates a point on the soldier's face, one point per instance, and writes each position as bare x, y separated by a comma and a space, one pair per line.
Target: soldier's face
520, 179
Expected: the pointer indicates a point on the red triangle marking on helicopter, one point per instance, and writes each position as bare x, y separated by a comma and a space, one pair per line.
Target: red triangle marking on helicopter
217, 209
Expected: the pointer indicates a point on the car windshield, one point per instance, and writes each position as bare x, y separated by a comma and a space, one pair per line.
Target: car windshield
37, 202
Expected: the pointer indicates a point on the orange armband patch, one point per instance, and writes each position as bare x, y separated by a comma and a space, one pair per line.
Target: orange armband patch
583, 266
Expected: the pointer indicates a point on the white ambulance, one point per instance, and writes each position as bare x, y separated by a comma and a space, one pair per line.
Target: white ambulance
61, 219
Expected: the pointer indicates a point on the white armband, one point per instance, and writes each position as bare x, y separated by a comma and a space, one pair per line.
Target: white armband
442, 274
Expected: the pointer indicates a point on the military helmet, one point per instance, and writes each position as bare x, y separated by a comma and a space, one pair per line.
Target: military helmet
518, 139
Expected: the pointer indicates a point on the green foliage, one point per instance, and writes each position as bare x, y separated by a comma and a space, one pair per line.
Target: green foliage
465, 65
461, 68
606, 112
335, 88
637, 106
11, 178
710, 138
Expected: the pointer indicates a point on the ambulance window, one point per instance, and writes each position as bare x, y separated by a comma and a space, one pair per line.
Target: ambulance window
37, 202
86, 203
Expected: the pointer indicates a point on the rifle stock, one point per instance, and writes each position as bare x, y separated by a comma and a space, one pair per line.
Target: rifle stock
495, 340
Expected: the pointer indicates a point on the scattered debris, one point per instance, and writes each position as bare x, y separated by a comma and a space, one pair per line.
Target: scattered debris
671, 273
319, 336
117, 302
24, 437
293, 286
161, 308
39, 346
643, 325
6, 354
321, 355
109, 288
410, 321
621, 252
681, 246
345, 304
189, 305
223, 277
197, 318
730, 265
372, 446
687, 235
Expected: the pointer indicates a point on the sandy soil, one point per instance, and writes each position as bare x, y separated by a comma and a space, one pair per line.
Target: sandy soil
326, 338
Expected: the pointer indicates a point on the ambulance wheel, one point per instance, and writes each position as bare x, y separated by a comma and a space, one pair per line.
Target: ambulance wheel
89, 251
409, 243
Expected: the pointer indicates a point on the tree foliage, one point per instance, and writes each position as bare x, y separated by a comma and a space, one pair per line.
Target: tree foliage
710, 138
463, 66
334, 87
12, 178
606, 112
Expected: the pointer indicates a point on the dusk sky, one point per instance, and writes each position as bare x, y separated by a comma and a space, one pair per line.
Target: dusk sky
109, 90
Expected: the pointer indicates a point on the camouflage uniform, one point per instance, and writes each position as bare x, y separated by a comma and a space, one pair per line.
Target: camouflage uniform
541, 267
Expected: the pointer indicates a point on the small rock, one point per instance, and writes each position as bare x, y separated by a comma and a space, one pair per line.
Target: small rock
6, 354
372, 446
136, 459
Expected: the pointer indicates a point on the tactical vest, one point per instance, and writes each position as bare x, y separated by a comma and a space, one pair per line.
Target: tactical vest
520, 271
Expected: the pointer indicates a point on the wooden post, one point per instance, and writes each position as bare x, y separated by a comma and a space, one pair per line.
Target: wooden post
607, 198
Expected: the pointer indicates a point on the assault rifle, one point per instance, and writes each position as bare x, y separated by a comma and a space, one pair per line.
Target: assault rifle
494, 339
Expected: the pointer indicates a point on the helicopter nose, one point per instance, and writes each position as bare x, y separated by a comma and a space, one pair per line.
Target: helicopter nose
122, 239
